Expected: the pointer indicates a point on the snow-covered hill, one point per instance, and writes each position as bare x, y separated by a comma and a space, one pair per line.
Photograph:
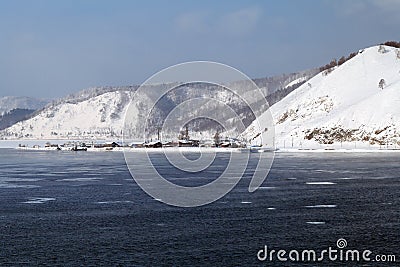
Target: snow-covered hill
96, 116
99, 112
343, 106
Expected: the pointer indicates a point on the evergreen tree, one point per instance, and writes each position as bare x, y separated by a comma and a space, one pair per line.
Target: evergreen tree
382, 83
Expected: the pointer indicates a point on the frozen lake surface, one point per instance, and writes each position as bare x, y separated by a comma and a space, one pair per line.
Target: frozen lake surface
71, 208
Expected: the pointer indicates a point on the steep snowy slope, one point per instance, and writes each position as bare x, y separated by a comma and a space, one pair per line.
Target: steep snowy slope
343, 105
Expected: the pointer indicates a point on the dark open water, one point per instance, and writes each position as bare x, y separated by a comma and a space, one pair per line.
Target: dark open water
84, 209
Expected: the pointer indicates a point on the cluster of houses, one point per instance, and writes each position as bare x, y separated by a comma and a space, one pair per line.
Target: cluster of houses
184, 140
84, 146
228, 142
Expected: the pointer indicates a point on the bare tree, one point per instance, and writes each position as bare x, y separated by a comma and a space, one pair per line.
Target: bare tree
341, 61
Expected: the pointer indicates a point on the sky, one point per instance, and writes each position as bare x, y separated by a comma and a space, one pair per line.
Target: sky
49, 49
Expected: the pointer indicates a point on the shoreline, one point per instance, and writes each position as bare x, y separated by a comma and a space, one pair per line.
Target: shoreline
211, 150
339, 150
29, 143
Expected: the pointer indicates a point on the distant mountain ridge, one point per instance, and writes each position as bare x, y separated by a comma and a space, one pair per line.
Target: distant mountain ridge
14, 116
8, 103
14, 109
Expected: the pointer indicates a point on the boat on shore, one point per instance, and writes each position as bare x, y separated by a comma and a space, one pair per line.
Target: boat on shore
79, 148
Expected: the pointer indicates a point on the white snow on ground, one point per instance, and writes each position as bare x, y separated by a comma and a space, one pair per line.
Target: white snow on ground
344, 108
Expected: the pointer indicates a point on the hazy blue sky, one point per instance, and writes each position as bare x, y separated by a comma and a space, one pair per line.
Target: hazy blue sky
52, 48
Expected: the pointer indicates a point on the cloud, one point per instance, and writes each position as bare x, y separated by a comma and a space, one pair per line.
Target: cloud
354, 7
240, 22
192, 22
348, 8
387, 10
387, 5
236, 23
